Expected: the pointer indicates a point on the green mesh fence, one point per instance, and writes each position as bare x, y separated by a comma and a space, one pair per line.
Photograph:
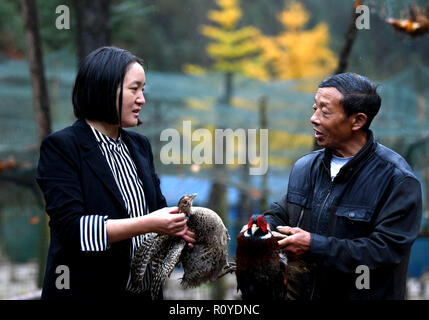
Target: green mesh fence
173, 98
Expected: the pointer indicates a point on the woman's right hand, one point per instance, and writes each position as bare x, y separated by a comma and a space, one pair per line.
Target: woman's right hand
168, 221
164, 221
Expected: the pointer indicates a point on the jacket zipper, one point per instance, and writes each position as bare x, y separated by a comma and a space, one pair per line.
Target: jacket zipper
323, 205
300, 217
318, 219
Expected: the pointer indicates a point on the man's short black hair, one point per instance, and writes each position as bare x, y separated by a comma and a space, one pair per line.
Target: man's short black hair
359, 94
97, 82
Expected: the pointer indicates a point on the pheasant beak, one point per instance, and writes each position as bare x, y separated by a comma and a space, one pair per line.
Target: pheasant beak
254, 228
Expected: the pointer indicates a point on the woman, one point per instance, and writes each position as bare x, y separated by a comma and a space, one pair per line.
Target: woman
100, 184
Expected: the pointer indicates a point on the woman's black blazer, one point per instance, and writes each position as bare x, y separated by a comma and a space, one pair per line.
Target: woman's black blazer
76, 180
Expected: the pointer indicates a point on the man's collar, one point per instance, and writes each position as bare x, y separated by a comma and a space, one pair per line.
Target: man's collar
358, 158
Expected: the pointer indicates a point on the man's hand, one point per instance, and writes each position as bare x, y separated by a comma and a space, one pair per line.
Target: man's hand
297, 244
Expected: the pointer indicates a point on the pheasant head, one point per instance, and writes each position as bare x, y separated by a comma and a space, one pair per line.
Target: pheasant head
185, 203
257, 227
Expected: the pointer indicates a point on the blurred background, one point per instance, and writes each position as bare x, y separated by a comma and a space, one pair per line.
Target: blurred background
248, 64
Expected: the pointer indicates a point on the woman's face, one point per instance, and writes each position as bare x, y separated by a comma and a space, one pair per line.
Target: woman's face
132, 95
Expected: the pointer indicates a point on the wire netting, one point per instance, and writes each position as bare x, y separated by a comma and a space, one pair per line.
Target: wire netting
172, 99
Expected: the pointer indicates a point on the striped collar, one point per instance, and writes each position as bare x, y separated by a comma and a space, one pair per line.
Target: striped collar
106, 140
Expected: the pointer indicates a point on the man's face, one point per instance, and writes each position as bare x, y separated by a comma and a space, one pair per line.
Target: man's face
333, 129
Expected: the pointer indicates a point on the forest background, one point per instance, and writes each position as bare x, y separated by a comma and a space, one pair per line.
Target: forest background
247, 64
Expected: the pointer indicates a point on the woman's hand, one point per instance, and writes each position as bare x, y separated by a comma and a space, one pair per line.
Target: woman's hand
168, 221
164, 221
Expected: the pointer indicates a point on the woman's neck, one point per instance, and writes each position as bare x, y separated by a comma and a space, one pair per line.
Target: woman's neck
109, 130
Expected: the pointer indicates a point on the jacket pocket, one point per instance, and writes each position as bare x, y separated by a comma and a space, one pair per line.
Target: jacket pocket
354, 214
299, 199
352, 222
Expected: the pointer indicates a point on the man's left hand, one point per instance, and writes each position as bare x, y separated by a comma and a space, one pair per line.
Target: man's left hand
297, 244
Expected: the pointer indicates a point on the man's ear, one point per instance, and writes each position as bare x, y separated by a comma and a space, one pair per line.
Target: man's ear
358, 121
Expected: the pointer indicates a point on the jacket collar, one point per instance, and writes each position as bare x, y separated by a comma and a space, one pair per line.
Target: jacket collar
87, 138
99, 165
358, 159
95, 160
102, 139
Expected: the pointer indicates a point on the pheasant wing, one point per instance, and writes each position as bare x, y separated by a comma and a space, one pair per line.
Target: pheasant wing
164, 262
205, 261
142, 257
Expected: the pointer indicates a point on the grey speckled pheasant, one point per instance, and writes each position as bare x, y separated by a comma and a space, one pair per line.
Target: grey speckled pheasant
207, 261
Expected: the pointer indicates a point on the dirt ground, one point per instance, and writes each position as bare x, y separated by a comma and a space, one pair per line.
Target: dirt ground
19, 281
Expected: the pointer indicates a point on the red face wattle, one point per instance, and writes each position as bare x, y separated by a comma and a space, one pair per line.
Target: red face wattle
249, 225
262, 223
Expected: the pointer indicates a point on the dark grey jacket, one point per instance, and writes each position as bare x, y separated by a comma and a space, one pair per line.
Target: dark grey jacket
369, 215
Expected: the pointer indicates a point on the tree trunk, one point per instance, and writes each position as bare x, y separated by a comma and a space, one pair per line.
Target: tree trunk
348, 44
41, 106
228, 88
218, 202
93, 28
263, 124
218, 198
37, 74
245, 202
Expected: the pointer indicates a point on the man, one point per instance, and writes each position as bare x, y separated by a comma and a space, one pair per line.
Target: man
352, 209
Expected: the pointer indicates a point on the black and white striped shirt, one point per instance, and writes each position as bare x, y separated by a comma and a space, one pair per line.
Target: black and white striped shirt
93, 234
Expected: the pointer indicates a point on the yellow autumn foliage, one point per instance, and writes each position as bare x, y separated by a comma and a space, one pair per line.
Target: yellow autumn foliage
227, 18
295, 17
228, 51
199, 104
233, 50
237, 36
193, 69
281, 140
245, 104
255, 68
297, 53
